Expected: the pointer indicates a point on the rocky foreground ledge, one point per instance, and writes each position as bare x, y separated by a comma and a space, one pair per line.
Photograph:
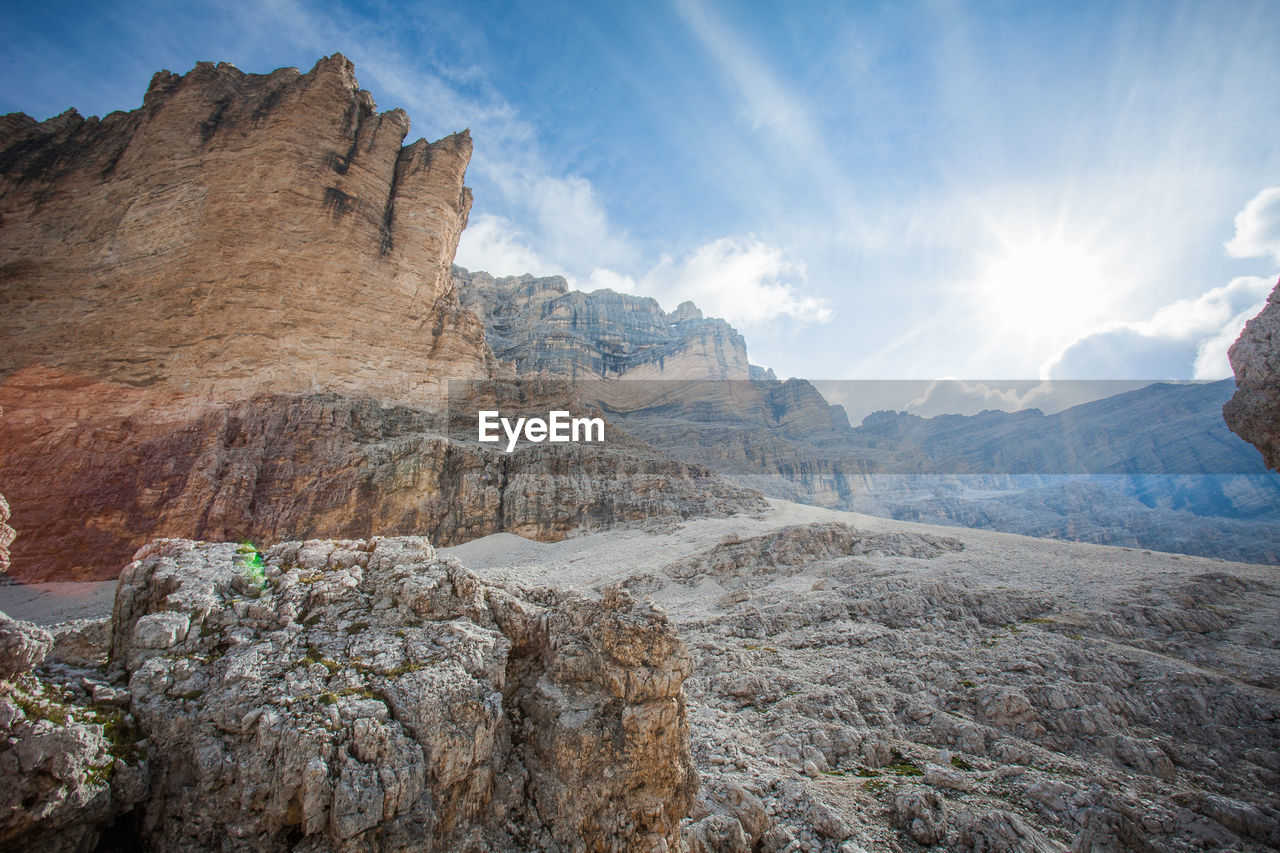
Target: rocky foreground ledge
343, 695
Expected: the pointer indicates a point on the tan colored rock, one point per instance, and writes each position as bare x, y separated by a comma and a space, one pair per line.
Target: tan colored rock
1253, 413
238, 233
96, 487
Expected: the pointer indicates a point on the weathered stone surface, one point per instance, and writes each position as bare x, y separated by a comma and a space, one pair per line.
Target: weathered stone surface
68, 767
7, 535
22, 646
96, 487
354, 695
736, 562
1253, 413
542, 327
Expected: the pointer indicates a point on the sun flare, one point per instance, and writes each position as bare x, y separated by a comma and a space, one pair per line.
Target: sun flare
1044, 288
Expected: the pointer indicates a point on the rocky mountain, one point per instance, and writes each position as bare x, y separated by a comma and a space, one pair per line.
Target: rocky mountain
541, 326
1253, 412
230, 314
791, 679
1151, 468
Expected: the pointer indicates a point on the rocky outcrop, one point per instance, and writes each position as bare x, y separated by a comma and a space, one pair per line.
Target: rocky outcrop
356, 695
1253, 413
542, 327
69, 767
230, 313
734, 561
990, 698
237, 235
7, 535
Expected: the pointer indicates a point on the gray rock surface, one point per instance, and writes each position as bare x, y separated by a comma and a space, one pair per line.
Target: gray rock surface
542, 327
354, 695
1253, 412
69, 764
7, 535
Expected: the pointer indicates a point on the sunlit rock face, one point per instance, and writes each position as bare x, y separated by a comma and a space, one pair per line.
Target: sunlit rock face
238, 232
1254, 412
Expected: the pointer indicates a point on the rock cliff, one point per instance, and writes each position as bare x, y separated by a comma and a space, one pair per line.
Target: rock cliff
230, 313
276, 467
1253, 412
541, 326
237, 232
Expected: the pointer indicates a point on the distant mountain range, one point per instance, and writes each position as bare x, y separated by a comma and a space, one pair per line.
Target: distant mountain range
1152, 468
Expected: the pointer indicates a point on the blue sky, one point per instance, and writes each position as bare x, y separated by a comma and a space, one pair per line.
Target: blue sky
866, 190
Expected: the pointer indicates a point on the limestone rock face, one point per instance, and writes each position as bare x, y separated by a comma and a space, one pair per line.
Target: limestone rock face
277, 467
356, 695
238, 232
22, 646
542, 327
230, 313
1253, 413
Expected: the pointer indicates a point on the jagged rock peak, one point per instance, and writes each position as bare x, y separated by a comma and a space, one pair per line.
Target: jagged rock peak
685, 311
1253, 413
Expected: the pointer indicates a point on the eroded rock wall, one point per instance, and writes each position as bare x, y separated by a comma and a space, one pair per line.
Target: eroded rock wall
230, 313
276, 467
541, 326
237, 232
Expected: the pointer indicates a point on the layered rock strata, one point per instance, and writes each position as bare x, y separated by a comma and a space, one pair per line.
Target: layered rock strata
541, 326
1253, 413
237, 233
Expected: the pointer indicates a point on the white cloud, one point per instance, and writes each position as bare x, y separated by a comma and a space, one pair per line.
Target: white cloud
745, 281
1184, 339
496, 246
1258, 227
606, 279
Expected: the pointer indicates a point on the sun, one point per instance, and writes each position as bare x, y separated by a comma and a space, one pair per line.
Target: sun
1048, 289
